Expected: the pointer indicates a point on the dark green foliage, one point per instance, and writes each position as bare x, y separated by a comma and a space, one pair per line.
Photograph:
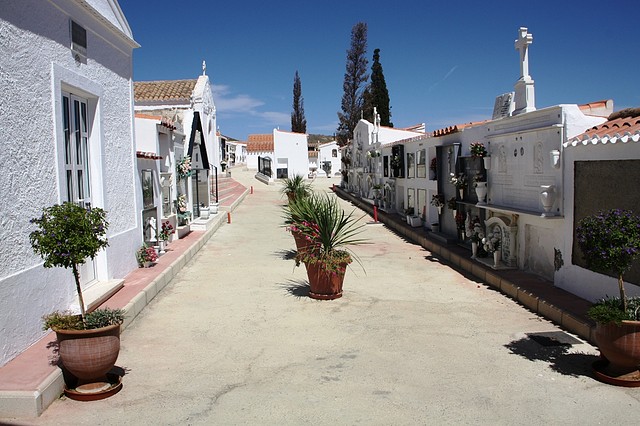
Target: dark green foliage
376, 95
96, 319
354, 79
68, 234
610, 309
328, 228
610, 242
296, 187
298, 121
104, 317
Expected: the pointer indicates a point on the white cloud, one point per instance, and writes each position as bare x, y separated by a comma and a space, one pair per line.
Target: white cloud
226, 102
232, 105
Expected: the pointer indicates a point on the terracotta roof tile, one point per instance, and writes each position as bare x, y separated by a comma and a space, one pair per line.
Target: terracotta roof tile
148, 155
260, 143
165, 91
163, 121
623, 129
456, 128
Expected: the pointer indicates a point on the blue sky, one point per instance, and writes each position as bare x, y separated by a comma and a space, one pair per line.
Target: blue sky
444, 62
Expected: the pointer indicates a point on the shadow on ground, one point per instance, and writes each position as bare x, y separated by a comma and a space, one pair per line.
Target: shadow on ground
296, 288
553, 348
286, 254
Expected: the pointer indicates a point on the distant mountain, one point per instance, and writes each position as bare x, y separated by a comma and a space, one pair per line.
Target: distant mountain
315, 140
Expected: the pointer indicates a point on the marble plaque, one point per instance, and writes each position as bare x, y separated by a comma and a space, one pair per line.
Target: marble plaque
537, 180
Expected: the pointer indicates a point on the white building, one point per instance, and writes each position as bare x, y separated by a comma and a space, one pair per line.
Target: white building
329, 159
366, 153
278, 155
189, 105
157, 141
67, 96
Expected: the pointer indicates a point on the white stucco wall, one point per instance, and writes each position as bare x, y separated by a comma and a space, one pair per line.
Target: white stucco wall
325, 153
290, 149
39, 68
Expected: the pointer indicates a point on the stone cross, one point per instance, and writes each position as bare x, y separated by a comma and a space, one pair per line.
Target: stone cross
522, 44
204, 68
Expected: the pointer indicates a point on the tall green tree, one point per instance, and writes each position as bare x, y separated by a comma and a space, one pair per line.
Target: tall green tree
376, 95
355, 79
298, 121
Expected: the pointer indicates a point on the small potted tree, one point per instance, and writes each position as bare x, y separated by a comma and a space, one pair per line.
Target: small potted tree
610, 242
88, 344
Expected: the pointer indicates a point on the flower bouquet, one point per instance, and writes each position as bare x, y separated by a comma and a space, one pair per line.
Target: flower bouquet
478, 150
166, 230
146, 255
183, 168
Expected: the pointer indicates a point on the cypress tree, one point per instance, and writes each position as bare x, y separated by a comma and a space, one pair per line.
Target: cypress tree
354, 79
376, 94
298, 121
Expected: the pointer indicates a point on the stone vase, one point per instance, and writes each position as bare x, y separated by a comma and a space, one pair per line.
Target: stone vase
487, 162
547, 198
496, 258
474, 249
461, 193
481, 192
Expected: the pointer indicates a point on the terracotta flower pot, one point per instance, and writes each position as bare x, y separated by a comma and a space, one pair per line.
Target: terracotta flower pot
620, 345
89, 354
324, 285
301, 241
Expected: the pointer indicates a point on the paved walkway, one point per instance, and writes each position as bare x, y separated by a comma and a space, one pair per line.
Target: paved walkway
233, 339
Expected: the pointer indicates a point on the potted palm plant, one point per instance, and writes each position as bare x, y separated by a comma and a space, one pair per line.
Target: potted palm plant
88, 344
329, 232
295, 187
610, 242
298, 213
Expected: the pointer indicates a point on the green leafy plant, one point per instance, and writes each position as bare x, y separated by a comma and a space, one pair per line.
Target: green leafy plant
67, 235
437, 200
459, 181
452, 204
97, 319
296, 187
329, 230
610, 243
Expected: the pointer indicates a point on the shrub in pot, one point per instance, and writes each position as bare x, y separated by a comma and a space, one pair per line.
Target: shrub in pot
66, 236
329, 231
296, 187
610, 242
